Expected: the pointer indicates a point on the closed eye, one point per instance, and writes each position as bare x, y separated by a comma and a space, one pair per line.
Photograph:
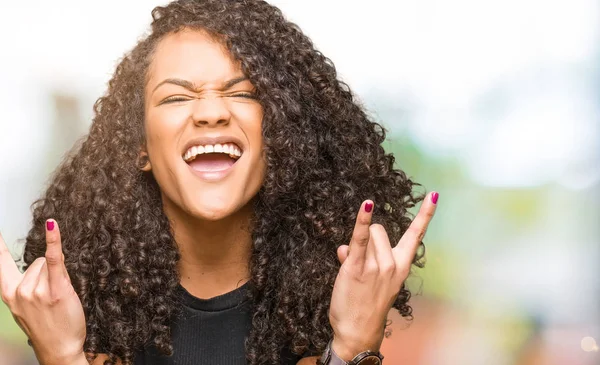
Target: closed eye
174, 99
177, 99
244, 95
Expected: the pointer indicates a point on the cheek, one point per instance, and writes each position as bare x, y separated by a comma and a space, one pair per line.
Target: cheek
250, 122
162, 131
162, 128
250, 119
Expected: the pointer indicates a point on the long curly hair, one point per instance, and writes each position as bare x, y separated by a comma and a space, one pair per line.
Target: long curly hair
324, 157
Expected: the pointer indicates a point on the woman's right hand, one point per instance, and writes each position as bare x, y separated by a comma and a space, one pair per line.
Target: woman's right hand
44, 303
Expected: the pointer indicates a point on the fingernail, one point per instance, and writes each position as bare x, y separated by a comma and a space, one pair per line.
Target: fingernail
50, 225
368, 207
434, 197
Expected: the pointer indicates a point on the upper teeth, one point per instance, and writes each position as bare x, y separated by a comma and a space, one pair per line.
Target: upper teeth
229, 148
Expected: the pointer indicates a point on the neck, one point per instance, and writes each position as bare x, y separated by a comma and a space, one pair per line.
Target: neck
215, 255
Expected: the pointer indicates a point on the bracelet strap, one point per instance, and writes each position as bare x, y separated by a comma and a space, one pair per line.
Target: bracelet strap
329, 357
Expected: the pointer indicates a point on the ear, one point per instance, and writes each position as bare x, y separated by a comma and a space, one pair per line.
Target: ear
144, 161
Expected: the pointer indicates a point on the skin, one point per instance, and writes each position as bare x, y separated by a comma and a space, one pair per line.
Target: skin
218, 212
371, 273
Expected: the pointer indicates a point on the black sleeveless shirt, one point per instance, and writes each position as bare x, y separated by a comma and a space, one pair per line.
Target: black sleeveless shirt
210, 332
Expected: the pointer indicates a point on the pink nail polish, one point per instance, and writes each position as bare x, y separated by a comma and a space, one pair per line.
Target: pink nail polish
368, 207
50, 225
434, 197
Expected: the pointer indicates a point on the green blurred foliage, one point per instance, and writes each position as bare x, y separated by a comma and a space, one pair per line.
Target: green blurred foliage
10, 331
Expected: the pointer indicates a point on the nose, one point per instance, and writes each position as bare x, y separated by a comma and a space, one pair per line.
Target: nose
211, 111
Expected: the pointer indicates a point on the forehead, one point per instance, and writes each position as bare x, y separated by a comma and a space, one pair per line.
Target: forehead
192, 55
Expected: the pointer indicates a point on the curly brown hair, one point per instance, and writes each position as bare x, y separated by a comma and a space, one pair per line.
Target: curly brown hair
324, 157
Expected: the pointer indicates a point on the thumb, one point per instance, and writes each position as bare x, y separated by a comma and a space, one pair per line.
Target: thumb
342, 253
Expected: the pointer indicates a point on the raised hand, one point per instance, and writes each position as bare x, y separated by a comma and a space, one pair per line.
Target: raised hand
44, 303
370, 279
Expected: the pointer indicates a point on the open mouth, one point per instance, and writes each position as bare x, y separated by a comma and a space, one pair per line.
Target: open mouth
211, 158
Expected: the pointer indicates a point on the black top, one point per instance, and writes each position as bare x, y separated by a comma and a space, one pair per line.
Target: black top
210, 332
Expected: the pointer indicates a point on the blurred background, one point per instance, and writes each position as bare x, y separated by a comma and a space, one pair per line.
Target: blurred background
495, 104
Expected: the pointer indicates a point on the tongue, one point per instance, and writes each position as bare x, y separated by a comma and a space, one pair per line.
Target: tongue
211, 162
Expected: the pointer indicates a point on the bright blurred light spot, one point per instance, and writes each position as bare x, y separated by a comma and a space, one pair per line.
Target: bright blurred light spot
541, 139
580, 176
588, 344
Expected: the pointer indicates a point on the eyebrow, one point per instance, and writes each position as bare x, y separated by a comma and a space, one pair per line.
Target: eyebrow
194, 88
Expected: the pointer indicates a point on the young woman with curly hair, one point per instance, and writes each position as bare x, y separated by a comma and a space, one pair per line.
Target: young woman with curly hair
231, 204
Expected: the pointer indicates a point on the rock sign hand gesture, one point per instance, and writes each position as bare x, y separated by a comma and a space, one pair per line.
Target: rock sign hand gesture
47, 308
44, 303
370, 279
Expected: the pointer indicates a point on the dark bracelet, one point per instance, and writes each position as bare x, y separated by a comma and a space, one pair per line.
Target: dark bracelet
329, 357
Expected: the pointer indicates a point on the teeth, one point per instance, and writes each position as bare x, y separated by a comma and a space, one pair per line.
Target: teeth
228, 148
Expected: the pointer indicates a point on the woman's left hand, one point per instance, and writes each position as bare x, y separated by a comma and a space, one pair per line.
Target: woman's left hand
370, 279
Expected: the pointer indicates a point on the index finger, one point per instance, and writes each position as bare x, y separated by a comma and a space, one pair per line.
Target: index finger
406, 249
54, 256
361, 234
10, 276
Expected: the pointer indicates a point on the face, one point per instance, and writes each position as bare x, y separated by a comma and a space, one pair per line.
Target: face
203, 128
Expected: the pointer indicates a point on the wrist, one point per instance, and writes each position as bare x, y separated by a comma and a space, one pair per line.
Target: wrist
348, 350
343, 351
79, 359
76, 359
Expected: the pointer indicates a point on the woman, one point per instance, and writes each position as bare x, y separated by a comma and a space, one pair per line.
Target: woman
220, 210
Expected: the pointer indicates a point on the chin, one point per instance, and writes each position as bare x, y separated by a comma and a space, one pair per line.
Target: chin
213, 215
215, 212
